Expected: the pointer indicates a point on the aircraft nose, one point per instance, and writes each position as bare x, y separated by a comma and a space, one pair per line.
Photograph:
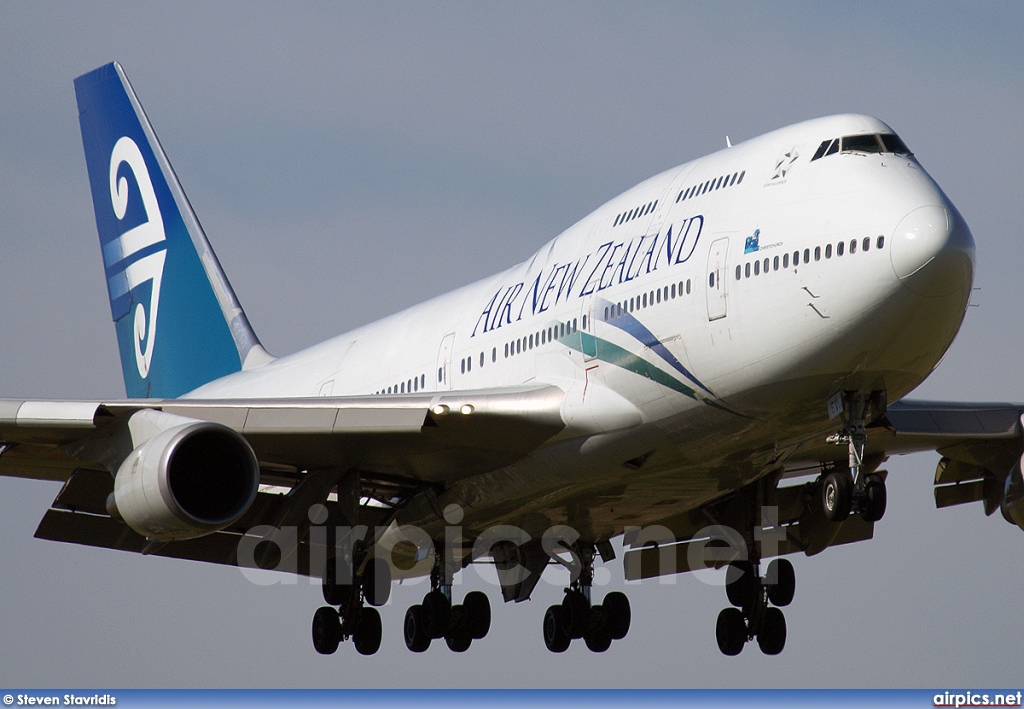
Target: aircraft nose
933, 251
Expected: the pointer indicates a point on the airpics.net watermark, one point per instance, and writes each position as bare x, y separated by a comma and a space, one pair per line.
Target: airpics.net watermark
978, 699
412, 554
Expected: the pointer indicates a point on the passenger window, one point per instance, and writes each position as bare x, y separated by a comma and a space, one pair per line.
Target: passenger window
881, 241
746, 271
673, 291
440, 373
796, 258
839, 248
775, 264
807, 256
403, 388
785, 260
463, 366
828, 250
658, 295
867, 243
853, 246
817, 253
711, 281
757, 268
687, 286
766, 266
481, 359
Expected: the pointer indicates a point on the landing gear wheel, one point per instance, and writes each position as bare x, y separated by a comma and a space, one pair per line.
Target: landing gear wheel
837, 495
740, 584
731, 631
576, 614
771, 637
377, 582
437, 611
597, 639
781, 592
555, 636
872, 506
617, 614
458, 636
477, 610
326, 630
368, 631
417, 638
335, 593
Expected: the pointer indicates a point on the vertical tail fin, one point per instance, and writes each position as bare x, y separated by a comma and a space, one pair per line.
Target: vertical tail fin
178, 322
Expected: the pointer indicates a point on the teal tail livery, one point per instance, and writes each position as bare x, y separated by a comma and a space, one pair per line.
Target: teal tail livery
178, 322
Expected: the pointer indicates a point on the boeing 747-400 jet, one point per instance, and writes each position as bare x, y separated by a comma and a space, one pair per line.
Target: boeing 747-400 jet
710, 366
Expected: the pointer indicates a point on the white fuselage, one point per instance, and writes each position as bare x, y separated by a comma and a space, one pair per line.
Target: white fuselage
705, 315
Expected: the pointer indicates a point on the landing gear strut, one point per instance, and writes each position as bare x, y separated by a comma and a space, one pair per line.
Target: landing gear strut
352, 618
852, 489
577, 617
756, 613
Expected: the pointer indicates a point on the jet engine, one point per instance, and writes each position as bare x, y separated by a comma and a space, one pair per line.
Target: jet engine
189, 479
1012, 505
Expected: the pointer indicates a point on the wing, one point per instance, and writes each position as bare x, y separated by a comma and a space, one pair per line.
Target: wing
393, 447
980, 447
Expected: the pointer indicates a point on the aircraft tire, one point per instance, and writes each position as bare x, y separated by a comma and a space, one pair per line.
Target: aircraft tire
597, 639
837, 496
617, 614
368, 632
555, 636
437, 611
731, 631
477, 611
740, 584
326, 630
377, 582
771, 637
416, 637
575, 614
782, 591
335, 594
873, 507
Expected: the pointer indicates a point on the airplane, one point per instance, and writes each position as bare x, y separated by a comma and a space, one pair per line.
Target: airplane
710, 367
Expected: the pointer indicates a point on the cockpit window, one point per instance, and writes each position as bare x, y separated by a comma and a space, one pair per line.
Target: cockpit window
884, 143
893, 144
862, 144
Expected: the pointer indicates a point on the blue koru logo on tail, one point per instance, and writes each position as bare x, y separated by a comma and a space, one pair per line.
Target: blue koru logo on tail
126, 273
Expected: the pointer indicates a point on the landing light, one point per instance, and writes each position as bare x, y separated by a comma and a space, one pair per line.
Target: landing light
466, 409
440, 409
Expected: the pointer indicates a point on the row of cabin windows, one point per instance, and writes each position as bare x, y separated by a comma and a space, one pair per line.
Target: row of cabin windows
406, 387
711, 185
542, 337
755, 268
642, 301
635, 212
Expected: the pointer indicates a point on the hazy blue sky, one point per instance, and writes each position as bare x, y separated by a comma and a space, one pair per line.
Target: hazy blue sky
350, 160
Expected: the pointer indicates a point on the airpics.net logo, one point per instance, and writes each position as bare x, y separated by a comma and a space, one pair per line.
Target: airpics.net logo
411, 552
978, 699
127, 275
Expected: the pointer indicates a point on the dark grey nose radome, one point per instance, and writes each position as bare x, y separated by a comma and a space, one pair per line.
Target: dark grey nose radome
933, 251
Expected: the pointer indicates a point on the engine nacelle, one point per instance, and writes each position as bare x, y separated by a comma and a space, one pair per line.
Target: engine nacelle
188, 480
1012, 506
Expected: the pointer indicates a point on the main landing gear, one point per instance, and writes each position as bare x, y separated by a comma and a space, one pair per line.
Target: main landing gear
438, 618
756, 607
352, 619
577, 617
852, 488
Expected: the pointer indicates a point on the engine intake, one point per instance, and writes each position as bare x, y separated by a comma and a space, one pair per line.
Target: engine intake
188, 480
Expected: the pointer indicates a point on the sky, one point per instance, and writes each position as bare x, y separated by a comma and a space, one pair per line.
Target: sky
349, 160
